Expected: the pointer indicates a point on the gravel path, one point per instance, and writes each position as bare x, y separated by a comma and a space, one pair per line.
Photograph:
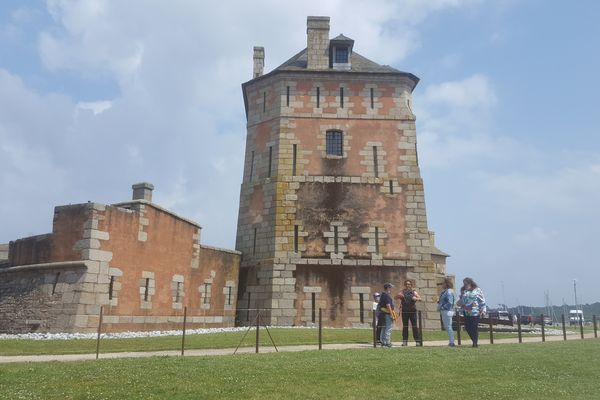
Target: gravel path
264, 349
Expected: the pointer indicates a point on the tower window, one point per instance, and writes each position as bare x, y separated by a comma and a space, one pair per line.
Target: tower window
372, 98
287, 97
318, 97
341, 55
270, 160
335, 143
342, 97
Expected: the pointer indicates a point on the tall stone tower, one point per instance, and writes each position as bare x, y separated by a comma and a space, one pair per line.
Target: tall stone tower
332, 203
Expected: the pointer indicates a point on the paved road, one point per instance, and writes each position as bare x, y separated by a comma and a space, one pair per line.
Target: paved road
264, 349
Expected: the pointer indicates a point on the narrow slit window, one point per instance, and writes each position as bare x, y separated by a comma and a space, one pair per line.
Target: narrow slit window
313, 305
229, 289
254, 243
264, 101
334, 143
287, 97
56, 277
391, 187
372, 98
294, 158
361, 303
178, 293
342, 97
111, 287
335, 239
251, 165
206, 293
270, 160
376, 240
295, 238
375, 162
146, 289
318, 97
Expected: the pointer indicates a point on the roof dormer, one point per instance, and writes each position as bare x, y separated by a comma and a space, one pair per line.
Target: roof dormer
340, 52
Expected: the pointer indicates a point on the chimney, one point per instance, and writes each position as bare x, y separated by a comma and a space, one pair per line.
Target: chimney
259, 61
317, 42
143, 191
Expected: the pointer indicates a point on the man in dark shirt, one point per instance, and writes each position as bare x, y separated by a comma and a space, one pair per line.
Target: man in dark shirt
386, 307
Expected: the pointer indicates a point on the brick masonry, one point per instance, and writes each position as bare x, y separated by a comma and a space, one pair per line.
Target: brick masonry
140, 262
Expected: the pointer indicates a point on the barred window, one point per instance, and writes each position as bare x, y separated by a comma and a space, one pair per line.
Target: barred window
335, 143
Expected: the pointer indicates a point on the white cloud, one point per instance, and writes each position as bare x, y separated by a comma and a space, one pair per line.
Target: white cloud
573, 189
97, 107
535, 235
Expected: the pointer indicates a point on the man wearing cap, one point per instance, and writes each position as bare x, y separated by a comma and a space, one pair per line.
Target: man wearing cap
386, 307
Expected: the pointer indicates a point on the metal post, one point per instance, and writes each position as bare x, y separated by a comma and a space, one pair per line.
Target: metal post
320, 328
581, 323
519, 331
99, 331
183, 336
491, 330
257, 328
595, 326
420, 342
562, 321
374, 329
458, 327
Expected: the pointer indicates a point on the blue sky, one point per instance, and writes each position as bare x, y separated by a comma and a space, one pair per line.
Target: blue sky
96, 95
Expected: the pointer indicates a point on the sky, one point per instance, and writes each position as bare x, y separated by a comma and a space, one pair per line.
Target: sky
96, 95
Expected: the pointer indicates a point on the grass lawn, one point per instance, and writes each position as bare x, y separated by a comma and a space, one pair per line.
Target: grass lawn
510, 371
281, 337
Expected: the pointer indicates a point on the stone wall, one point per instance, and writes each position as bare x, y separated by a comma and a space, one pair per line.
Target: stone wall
300, 206
42, 297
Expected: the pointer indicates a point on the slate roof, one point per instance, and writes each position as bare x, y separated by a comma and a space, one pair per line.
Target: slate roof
358, 63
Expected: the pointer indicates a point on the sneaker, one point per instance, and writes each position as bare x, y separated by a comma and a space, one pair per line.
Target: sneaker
451, 345
404, 344
419, 344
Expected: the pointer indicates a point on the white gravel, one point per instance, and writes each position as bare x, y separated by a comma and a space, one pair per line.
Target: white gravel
119, 335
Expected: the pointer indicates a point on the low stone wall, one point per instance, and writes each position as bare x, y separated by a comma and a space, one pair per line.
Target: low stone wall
42, 297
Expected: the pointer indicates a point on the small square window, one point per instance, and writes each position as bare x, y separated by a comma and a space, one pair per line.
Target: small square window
334, 143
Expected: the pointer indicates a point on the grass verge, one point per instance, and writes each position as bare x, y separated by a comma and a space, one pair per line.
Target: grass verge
532, 371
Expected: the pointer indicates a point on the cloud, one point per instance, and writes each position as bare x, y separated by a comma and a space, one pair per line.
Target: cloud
535, 235
97, 107
572, 189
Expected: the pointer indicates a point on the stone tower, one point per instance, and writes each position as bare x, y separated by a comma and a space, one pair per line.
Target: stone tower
332, 203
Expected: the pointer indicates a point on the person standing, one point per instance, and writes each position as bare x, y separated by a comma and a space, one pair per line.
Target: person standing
472, 304
408, 300
386, 309
378, 317
445, 306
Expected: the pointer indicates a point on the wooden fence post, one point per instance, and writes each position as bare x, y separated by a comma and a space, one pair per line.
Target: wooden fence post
99, 331
581, 325
491, 330
320, 328
564, 328
543, 328
374, 329
183, 335
519, 331
257, 330
458, 327
595, 326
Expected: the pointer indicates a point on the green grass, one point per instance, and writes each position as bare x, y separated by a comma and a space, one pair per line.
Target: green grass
528, 371
281, 337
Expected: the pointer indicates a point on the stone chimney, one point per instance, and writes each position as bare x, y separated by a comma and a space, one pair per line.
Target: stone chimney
259, 62
143, 191
317, 42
